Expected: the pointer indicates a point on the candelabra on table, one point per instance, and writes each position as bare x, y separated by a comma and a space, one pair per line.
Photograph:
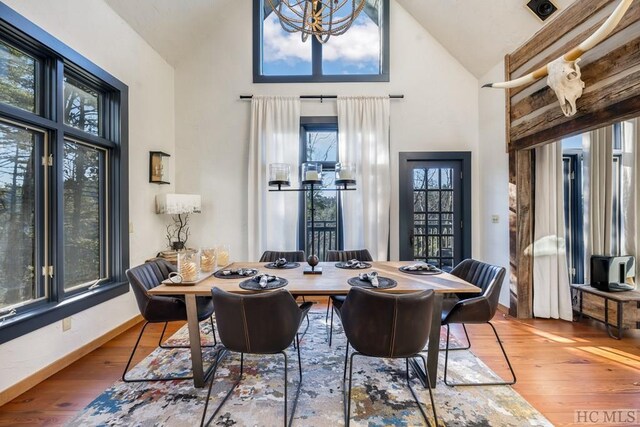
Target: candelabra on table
280, 177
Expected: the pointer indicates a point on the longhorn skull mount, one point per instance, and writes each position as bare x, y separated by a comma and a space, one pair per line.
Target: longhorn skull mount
563, 74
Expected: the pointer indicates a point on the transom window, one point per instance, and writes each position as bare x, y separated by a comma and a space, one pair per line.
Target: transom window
63, 187
360, 54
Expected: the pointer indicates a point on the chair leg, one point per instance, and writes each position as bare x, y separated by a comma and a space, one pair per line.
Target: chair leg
219, 356
347, 414
138, 380
326, 317
346, 358
504, 353
331, 328
213, 332
288, 420
428, 386
467, 347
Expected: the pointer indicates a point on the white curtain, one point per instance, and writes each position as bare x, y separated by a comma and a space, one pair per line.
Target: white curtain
630, 243
551, 292
597, 187
275, 138
363, 134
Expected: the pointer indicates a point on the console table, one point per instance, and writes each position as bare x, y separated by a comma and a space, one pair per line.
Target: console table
595, 304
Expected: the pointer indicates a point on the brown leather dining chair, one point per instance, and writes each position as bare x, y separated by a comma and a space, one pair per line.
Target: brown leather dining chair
342, 256
262, 323
384, 325
161, 309
475, 308
291, 256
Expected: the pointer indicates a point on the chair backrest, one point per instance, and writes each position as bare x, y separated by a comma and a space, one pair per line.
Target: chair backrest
488, 277
291, 256
165, 267
359, 254
256, 323
142, 278
387, 325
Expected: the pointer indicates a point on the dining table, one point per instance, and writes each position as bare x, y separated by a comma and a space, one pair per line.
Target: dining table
332, 281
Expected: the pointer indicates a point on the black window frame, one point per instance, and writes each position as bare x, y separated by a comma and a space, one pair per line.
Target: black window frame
311, 124
56, 59
317, 75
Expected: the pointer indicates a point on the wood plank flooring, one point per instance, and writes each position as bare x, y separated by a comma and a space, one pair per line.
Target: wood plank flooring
561, 367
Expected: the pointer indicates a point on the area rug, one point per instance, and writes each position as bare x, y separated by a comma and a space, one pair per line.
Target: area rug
380, 396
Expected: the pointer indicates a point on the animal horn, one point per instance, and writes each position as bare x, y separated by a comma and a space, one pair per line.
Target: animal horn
599, 35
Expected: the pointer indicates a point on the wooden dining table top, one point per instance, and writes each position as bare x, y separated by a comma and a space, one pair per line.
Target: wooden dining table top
332, 281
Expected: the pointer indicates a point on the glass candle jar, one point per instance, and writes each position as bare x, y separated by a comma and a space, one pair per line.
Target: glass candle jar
222, 255
345, 173
208, 259
311, 173
279, 174
189, 265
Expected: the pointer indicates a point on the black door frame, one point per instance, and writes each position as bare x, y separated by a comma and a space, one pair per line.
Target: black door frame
406, 193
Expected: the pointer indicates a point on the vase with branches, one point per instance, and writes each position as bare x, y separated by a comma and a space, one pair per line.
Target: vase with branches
178, 232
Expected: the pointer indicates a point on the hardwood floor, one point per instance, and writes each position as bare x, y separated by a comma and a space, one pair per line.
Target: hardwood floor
561, 367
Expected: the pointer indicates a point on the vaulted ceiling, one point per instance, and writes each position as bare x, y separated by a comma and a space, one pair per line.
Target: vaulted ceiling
476, 32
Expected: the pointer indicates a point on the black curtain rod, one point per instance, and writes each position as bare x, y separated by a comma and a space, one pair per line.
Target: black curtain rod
321, 97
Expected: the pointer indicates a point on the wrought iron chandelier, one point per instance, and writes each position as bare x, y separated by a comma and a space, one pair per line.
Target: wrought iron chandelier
319, 18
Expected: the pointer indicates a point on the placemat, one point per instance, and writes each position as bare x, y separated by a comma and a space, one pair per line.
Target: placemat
384, 283
287, 266
220, 275
421, 272
346, 267
252, 285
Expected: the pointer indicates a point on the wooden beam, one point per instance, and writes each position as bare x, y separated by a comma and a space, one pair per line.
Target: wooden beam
569, 19
525, 184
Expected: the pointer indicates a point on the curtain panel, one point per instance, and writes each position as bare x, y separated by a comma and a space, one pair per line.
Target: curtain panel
551, 291
597, 187
630, 244
363, 132
275, 138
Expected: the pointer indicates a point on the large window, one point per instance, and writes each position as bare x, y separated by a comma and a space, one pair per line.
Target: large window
360, 54
63, 186
319, 144
574, 170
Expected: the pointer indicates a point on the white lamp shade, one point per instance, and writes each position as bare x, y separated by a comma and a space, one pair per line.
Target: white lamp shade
174, 204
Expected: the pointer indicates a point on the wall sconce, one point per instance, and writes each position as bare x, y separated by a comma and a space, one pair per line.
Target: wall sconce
158, 167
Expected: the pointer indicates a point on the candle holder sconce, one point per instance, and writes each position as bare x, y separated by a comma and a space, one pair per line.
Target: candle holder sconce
311, 179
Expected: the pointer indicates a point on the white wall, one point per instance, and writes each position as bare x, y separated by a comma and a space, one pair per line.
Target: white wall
439, 113
494, 177
95, 31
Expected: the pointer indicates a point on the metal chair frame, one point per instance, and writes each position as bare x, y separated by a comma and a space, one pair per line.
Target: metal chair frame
446, 361
169, 378
221, 354
347, 398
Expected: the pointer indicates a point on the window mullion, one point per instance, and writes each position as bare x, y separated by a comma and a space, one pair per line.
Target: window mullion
316, 57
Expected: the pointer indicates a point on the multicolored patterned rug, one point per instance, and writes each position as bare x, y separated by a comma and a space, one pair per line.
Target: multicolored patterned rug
379, 397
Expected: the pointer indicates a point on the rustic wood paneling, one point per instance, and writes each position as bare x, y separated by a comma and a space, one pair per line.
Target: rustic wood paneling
627, 20
524, 232
573, 16
537, 118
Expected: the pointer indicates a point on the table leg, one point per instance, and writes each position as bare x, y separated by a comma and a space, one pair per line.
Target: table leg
194, 341
433, 346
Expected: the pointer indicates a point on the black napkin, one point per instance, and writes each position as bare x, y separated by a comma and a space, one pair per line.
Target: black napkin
264, 279
280, 262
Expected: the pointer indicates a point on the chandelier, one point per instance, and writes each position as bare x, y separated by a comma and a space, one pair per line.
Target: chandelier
319, 18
